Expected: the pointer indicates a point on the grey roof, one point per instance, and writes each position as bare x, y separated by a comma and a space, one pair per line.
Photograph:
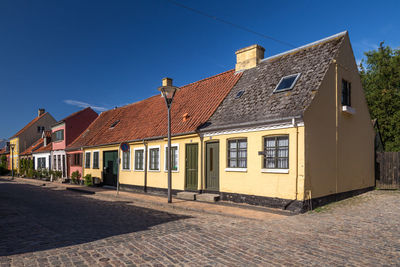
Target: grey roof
259, 104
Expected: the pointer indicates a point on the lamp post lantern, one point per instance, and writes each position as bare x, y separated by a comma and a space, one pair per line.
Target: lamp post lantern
168, 91
12, 160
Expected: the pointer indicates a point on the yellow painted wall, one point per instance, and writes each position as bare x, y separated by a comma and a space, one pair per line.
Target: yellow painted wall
154, 178
252, 182
15, 141
256, 182
348, 163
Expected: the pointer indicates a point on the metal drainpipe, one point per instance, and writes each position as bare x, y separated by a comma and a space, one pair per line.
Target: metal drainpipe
119, 166
201, 163
336, 125
145, 166
297, 155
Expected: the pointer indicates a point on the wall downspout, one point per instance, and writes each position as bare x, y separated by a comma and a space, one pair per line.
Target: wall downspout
201, 163
145, 166
297, 156
336, 125
119, 166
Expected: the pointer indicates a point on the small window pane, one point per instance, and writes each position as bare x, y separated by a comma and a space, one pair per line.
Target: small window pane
237, 153
287, 83
125, 160
276, 153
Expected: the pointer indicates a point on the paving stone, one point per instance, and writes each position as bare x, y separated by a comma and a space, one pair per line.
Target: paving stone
47, 227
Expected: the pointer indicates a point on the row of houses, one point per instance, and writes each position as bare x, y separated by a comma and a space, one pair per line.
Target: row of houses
284, 131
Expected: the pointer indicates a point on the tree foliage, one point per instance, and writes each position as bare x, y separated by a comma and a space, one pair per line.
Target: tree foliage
380, 76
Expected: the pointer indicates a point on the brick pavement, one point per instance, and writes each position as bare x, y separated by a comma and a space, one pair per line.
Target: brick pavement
53, 227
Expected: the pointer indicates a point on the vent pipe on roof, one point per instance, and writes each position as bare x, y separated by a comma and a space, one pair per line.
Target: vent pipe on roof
41, 112
249, 57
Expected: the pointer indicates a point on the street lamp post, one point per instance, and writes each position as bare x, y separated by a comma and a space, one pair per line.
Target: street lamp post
12, 160
168, 91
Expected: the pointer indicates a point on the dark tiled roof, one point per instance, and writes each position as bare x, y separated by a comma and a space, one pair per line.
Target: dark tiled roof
148, 118
259, 103
28, 125
33, 147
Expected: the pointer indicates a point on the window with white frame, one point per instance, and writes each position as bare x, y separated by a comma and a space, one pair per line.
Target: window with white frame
174, 158
154, 159
139, 159
87, 160
95, 160
276, 152
126, 158
237, 153
41, 163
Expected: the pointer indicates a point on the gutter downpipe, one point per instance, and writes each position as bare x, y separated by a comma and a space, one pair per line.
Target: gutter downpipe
337, 124
119, 166
145, 166
297, 155
201, 162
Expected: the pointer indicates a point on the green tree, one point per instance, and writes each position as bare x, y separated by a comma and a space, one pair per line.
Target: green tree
380, 76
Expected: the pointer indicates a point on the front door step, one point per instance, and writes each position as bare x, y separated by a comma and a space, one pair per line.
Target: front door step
186, 195
207, 197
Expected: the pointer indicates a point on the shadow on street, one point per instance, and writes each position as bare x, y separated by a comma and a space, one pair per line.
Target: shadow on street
34, 218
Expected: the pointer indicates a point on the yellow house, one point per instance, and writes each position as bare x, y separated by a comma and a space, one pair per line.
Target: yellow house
28, 135
285, 131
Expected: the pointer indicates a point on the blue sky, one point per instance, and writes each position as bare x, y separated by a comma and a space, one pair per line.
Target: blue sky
65, 55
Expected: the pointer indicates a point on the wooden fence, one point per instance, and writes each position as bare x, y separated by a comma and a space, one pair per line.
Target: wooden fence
387, 170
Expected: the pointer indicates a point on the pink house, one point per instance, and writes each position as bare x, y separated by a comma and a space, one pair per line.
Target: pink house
64, 133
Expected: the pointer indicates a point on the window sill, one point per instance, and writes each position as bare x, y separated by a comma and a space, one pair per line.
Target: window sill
236, 169
275, 170
154, 170
172, 171
138, 170
125, 170
348, 110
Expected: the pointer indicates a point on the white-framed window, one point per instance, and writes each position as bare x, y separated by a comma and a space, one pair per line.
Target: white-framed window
154, 158
87, 160
126, 160
174, 157
139, 155
237, 153
95, 159
276, 152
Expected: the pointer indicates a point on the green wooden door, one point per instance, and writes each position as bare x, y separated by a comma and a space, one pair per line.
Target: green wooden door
212, 166
191, 167
110, 167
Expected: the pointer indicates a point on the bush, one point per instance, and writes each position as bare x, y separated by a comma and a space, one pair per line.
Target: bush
30, 173
75, 176
88, 180
45, 173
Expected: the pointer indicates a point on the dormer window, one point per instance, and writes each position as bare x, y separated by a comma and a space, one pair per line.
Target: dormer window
287, 83
346, 93
114, 124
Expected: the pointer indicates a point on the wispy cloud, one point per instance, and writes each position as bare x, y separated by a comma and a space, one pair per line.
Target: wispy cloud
84, 105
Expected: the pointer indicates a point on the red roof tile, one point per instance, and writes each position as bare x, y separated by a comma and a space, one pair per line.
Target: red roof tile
4, 151
28, 125
148, 118
33, 147
44, 149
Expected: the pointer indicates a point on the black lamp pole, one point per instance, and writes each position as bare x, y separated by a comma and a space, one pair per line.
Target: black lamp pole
168, 91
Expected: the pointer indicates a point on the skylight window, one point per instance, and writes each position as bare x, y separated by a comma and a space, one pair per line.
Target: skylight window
239, 94
287, 83
114, 124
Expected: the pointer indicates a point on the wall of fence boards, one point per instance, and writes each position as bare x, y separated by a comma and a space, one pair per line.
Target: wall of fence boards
387, 170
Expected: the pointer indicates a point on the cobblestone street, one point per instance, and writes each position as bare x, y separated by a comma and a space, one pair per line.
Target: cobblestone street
44, 226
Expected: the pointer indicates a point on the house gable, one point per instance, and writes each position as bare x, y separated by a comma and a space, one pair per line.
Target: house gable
339, 145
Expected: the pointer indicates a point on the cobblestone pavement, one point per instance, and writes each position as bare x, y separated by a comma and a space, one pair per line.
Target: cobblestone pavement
51, 227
